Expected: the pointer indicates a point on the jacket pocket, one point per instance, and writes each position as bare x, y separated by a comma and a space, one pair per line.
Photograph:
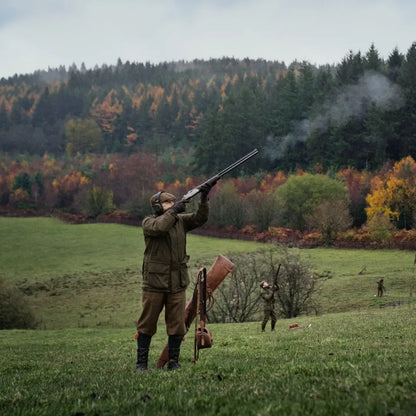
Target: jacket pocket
156, 276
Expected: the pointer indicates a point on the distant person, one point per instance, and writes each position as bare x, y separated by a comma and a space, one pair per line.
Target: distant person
380, 288
267, 294
165, 272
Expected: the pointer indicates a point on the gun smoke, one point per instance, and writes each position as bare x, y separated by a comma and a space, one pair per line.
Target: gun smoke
372, 89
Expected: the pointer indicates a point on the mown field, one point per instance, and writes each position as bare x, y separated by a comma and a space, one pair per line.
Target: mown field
83, 283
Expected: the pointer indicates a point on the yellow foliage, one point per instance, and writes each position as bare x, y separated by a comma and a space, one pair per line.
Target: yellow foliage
394, 194
70, 182
136, 102
405, 169
131, 139
300, 172
141, 89
20, 195
194, 83
224, 86
10, 181
173, 89
107, 111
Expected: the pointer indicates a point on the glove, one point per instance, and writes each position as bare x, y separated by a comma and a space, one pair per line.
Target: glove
178, 207
205, 189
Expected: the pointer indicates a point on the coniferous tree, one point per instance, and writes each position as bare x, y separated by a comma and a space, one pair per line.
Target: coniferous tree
372, 60
407, 121
394, 64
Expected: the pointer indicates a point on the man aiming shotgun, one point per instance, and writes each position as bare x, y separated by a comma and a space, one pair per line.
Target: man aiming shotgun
268, 295
165, 269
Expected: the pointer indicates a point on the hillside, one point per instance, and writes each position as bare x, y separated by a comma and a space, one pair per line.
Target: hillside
358, 113
89, 275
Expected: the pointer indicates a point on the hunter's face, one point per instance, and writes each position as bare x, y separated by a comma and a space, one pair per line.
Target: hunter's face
167, 205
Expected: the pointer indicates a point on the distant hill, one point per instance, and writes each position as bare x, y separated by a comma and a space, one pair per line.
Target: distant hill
358, 113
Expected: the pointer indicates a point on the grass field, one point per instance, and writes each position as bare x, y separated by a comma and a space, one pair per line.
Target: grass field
83, 282
356, 363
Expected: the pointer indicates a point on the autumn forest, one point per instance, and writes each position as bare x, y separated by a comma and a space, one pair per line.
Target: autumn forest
337, 144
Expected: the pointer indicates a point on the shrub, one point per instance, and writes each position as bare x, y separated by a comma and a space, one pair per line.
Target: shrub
227, 208
14, 310
297, 284
98, 201
261, 207
300, 195
380, 228
139, 208
330, 217
237, 299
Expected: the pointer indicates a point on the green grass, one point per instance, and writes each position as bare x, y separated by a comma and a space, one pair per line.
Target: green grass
83, 282
86, 275
45, 247
89, 275
355, 273
356, 363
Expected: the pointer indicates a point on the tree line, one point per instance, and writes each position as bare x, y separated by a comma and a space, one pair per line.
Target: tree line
94, 185
358, 113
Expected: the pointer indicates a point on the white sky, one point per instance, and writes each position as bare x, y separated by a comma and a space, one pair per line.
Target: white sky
42, 34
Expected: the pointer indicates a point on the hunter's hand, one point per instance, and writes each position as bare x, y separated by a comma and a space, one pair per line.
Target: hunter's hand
178, 207
205, 189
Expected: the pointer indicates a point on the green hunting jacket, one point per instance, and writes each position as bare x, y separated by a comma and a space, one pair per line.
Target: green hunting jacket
267, 295
165, 259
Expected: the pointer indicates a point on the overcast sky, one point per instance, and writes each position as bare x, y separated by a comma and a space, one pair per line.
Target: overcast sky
42, 34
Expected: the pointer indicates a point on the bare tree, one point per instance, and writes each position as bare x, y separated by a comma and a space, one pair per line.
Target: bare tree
297, 284
238, 298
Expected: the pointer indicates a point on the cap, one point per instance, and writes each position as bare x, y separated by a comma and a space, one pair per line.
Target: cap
162, 197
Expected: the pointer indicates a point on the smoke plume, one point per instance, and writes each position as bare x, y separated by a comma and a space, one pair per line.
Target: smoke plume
352, 101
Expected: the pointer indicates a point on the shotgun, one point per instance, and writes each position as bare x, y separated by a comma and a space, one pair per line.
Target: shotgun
212, 181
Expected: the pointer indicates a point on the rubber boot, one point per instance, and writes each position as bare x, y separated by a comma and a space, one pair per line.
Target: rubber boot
273, 325
263, 326
143, 343
174, 349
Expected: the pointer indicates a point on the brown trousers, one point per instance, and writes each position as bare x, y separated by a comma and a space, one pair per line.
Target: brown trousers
269, 313
153, 303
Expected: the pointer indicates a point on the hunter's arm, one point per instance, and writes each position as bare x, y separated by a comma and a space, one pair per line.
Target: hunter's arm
198, 218
154, 226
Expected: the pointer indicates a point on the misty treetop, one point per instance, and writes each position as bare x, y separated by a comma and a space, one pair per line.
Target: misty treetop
359, 113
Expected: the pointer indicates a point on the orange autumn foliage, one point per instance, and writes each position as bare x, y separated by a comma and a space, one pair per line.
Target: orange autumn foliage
106, 112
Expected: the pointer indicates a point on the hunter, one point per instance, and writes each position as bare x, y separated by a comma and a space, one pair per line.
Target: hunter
165, 272
267, 294
380, 288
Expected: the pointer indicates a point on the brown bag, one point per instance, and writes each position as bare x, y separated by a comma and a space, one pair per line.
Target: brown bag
203, 338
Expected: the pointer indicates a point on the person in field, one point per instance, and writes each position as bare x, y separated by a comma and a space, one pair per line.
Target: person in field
380, 288
165, 272
267, 294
